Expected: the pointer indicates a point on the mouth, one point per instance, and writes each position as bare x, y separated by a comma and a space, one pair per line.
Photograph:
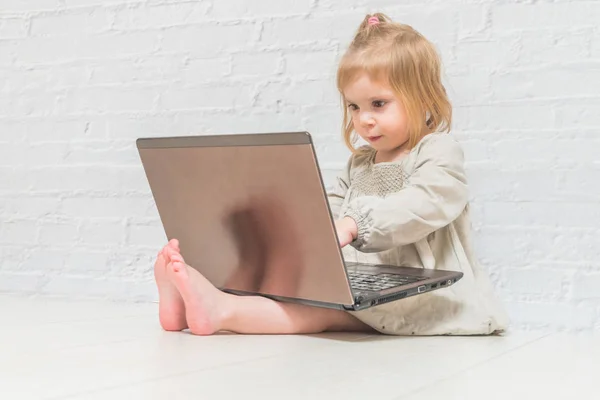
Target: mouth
374, 138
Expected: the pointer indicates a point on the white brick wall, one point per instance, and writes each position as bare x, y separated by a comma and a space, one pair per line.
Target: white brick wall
81, 79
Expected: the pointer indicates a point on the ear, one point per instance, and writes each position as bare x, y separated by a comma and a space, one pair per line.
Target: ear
428, 120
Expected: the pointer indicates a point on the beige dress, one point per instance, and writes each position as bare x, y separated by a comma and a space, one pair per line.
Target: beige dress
415, 212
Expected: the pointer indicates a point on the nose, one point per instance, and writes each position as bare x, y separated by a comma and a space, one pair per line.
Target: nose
366, 118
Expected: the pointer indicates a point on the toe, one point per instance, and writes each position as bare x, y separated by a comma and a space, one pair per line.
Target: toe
166, 255
161, 260
170, 252
174, 244
178, 267
174, 255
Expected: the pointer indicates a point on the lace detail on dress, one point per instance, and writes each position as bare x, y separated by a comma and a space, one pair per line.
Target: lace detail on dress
379, 180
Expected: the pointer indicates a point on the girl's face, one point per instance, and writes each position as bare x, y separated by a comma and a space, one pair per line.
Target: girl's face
378, 116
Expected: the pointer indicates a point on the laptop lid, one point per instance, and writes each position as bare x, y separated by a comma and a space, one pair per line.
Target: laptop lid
250, 213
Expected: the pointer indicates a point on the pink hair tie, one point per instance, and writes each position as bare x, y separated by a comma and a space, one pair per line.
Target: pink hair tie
373, 21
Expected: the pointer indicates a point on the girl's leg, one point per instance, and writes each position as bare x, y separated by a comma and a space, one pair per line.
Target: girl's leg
209, 310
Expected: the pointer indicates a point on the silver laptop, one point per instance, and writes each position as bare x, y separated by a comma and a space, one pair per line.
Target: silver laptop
251, 214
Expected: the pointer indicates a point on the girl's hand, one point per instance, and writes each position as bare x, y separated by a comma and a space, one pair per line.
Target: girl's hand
347, 230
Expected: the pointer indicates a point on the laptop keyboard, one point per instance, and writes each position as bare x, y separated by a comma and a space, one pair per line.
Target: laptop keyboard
362, 281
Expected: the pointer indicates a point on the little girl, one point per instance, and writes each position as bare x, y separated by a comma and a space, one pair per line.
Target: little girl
401, 200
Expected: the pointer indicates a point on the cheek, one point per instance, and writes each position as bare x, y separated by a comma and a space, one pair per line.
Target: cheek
398, 119
403, 117
356, 121
392, 119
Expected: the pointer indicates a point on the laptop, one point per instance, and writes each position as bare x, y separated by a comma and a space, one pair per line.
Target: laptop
251, 214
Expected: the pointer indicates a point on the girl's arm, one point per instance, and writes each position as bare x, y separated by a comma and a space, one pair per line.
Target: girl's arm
434, 196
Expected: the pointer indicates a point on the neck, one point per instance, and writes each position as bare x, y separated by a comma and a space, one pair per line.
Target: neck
395, 154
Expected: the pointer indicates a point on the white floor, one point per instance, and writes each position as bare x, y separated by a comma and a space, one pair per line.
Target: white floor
56, 348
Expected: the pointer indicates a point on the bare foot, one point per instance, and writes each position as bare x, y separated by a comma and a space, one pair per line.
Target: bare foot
204, 303
171, 308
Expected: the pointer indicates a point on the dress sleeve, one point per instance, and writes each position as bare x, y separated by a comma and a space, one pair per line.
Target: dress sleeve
435, 194
337, 193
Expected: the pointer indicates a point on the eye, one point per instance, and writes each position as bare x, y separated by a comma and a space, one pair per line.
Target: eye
378, 103
352, 107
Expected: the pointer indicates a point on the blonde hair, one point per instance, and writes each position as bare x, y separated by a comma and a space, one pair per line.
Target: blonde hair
388, 50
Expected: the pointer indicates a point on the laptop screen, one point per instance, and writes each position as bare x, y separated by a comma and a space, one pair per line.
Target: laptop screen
250, 213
